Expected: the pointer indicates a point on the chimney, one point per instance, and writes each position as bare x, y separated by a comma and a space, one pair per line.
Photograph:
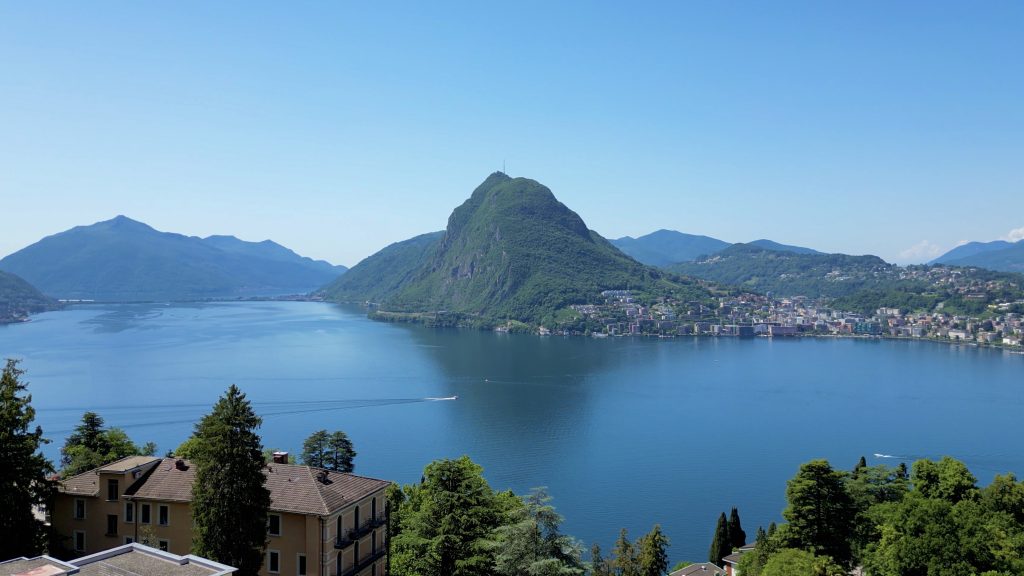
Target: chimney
280, 457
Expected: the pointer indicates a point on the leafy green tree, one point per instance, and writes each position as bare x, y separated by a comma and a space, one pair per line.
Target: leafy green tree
229, 498
948, 479
653, 556
330, 451
720, 546
531, 543
766, 545
821, 513
1005, 494
188, 448
448, 522
737, 537
91, 445
24, 481
790, 562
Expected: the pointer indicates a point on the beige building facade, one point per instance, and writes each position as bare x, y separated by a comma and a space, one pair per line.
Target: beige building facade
321, 523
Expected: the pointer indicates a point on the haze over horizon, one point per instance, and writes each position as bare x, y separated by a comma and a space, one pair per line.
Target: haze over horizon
336, 130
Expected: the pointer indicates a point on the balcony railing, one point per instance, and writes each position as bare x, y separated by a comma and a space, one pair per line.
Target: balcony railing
347, 537
364, 563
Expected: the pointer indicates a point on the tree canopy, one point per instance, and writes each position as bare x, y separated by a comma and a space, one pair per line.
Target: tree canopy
332, 451
92, 445
229, 499
24, 481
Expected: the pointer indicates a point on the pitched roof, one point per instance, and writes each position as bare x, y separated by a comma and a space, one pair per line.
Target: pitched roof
292, 488
699, 569
38, 566
733, 558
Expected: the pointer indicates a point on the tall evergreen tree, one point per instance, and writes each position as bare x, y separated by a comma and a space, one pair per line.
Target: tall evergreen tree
598, 565
532, 543
720, 547
861, 464
653, 557
737, 537
625, 561
24, 471
229, 499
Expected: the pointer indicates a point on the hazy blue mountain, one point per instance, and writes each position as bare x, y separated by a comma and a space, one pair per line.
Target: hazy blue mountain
125, 260
1006, 259
772, 245
18, 298
511, 251
666, 247
971, 249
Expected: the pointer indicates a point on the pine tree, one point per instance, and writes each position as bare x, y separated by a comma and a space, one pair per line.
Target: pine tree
91, 445
653, 558
861, 464
720, 542
23, 476
737, 537
598, 565
329, 451
229, 499
625, 560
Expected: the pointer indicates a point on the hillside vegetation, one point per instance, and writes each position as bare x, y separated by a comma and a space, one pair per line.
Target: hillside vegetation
512, 251
18, 299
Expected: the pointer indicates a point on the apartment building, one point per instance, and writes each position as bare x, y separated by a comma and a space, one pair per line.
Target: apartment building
321, 522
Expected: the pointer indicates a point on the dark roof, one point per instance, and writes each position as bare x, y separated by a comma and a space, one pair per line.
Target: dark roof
292, 488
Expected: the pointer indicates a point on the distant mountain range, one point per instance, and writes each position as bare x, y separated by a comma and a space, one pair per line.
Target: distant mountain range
666, 247
125, 260
18, 299
511, 251
998, 255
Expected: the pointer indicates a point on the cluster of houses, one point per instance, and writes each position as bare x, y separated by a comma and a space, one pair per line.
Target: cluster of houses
752, 315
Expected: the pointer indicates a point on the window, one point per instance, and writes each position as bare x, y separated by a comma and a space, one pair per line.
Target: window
355, 552
164, 545
274, 524
79, 509
163, 515
355, 520
79, 541
373, 570
373, 542
300, 564
273, 561
373, 508
111, 490
128, 540
144, 513
341, 564
111, 524
129, 512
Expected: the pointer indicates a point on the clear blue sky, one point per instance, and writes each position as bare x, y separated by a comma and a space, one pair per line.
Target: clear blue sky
893, 128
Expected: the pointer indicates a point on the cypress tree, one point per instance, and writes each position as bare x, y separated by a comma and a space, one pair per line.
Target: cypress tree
861, 464
720, 543
23, 475
737, 537
229, 499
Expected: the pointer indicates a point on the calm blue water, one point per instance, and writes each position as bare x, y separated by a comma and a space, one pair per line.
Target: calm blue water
623, 432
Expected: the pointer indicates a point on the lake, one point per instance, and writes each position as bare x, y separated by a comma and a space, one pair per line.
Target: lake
623, 432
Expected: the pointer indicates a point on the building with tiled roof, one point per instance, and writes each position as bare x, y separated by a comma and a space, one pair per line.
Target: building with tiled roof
321, 522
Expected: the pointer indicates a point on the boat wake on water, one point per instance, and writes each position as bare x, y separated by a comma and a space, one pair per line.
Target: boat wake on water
441, 399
